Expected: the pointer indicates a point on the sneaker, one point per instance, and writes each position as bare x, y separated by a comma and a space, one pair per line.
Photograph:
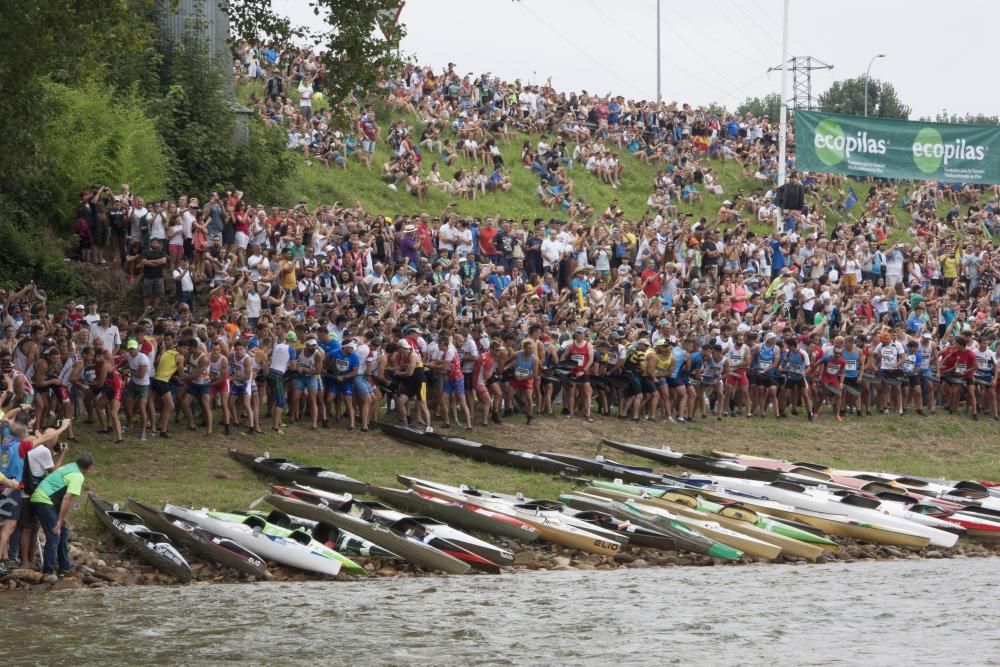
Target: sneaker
163, 434
142, 437
428, 430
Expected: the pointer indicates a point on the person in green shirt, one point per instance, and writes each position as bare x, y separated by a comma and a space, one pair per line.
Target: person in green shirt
50, 502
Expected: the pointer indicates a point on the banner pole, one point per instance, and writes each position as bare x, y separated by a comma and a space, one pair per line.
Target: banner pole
783, 112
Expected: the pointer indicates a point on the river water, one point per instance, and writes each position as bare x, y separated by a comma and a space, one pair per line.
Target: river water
874, 613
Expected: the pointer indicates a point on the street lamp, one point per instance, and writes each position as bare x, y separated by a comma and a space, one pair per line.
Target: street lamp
867, 74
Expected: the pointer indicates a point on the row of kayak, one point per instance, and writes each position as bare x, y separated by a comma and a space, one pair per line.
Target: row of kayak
594, 520
882, 508
939, 510
739, 506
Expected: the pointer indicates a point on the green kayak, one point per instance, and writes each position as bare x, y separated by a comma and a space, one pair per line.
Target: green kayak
762, 521
296, 535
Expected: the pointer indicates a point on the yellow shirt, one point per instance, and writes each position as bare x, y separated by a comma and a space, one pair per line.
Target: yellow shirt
288, 279
166, 366
949, 266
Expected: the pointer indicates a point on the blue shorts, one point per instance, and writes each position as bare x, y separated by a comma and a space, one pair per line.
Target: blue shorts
239, 388
362, 386
336, 388
674, 383
10, 505
305, 383
197, 389
454, 387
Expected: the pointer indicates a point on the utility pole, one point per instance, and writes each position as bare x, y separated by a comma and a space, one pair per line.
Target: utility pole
783, 112
659, 97
867, 76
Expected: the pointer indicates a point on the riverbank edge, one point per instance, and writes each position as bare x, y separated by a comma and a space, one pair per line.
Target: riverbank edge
102, 563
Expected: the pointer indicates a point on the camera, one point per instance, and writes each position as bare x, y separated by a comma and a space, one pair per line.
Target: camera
59, 448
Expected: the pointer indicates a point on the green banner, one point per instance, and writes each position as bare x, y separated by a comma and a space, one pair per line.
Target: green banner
859, 146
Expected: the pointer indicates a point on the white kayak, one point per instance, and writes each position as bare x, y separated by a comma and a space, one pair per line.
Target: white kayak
270, 547
821, 500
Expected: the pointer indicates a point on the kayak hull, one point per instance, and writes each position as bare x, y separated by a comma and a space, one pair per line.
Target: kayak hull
457, 514
410, 549
478, 451
217, 549
153, 547
289, 471
274, 548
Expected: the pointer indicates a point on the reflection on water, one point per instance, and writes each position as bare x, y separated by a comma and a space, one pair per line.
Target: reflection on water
879, 612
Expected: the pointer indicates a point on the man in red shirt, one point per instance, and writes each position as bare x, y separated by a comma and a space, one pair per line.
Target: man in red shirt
487, 233
650, 279
958, 365
831, 374
425, 239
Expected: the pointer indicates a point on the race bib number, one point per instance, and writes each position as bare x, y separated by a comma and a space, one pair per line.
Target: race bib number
850, 365
522, 373
578, 359
960, 368
984, 364
735, 359
907, 366
796, 369
889, 355
613, 359
833, 369
342, 365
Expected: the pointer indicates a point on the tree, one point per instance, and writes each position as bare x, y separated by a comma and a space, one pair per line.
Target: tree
758, 107
357, 43
968, 118
848, 97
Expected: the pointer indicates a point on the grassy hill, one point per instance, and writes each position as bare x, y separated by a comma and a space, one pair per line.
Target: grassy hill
316, 183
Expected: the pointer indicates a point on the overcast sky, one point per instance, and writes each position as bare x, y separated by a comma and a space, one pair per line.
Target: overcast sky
713, 50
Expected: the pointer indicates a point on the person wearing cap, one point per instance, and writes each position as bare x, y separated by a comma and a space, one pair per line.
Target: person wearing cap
409, 369
197, 381
526, 367
305, 382
341, 368
985, 375
793, 366
659, 365
763, 375
282, 359
677, 380
851, 357
241, 385
581, 353
929, 378
910, 369
137, 389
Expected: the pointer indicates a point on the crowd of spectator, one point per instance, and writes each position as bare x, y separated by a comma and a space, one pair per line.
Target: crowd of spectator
258, 317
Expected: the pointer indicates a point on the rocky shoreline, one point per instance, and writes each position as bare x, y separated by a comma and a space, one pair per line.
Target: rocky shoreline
101, 563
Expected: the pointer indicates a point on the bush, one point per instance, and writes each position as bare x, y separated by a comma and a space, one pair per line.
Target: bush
95, 137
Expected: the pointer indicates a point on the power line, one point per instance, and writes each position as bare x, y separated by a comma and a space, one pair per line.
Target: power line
765, 31
642, 42
737, 52
580, 50
799, 47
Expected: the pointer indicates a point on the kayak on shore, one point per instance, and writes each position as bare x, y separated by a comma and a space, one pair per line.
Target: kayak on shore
153, 547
